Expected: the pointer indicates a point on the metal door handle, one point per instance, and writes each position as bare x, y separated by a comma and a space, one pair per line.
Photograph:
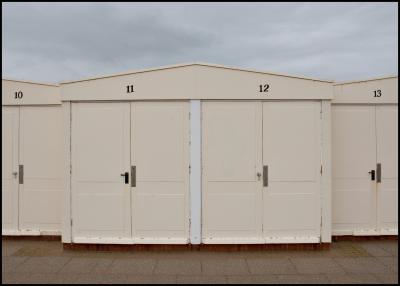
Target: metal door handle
259, 175
133, 174
21, 174
126, 175
378, 173
372, 172
15, 174
265, 176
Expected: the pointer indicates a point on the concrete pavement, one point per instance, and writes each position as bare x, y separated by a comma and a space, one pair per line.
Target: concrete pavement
25, 261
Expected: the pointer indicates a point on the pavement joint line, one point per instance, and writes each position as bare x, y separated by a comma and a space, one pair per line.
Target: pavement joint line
59, 270
247, 265
153, 270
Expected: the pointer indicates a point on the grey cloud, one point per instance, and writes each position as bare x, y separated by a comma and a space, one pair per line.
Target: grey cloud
52, 42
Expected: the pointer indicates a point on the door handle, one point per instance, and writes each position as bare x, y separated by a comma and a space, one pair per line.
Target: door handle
372, 172
133, 175
258, 175
126, 175
378, 173
15, 174
265, 176
21, 174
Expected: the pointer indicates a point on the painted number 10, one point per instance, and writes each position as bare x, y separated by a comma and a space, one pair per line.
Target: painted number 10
377, 93
264, 87
18, 94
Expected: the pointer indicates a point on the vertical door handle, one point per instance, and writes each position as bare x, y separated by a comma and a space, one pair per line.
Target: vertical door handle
372, 172
126, 175
378, 173
265, 176
133, 174
21, 174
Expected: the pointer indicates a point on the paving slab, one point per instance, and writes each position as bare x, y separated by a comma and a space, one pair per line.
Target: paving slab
178, 267
9, 264
225, 267
303, 278
95, 278
201, 280
133, 266
388, 278
8, 249
316, 265
373, 265
42, 265
154, 279
271, 266
368, 264
391, 262
253, 279
353, 278
87, 265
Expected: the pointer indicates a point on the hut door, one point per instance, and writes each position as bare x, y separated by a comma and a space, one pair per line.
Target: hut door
9, 161
40, 154
160, 168
100, 172
291, 170
387, 161
354, 165
232, 159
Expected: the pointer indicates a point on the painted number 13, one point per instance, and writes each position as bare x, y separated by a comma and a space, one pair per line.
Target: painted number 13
377, 93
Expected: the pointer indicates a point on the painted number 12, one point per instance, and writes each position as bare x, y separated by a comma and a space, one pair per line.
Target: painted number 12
264, 88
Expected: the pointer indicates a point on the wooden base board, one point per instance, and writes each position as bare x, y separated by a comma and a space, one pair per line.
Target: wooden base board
201, 247
363, 237
32, 237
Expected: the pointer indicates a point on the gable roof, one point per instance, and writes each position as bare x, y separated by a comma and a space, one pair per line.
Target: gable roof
192, 64
31, 82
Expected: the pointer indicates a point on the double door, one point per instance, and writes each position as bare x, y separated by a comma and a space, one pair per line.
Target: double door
261, 171
365, 169
31, 170
129, 177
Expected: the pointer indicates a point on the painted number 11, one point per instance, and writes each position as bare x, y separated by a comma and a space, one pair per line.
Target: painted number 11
129, 88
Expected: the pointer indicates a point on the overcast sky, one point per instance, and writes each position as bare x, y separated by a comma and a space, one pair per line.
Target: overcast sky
52, 42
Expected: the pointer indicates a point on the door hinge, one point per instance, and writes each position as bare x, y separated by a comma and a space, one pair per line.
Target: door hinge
321, 170
190, 169
71, 222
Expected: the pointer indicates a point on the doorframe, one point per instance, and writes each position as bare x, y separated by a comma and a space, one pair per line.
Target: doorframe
66, 222
326, 176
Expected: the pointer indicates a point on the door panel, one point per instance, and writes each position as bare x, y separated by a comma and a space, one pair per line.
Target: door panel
353, 156
387, 155
41, 154
100, 154
231, 159
9, 160
160, 152
291, 150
